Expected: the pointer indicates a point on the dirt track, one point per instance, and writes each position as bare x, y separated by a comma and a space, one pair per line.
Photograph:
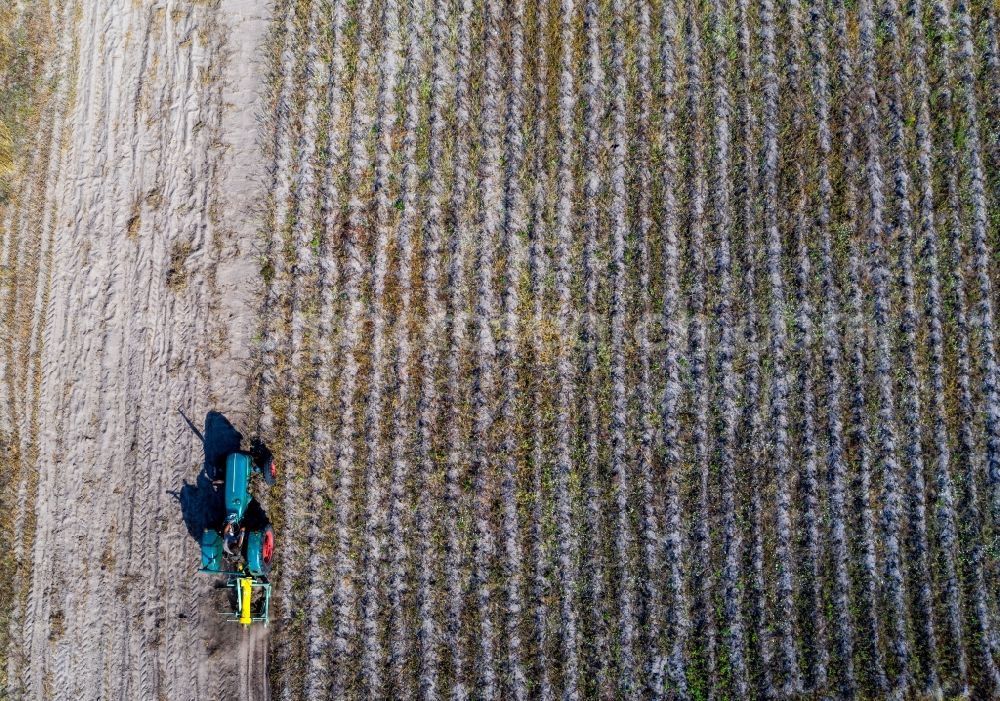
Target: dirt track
254, 656
139, 248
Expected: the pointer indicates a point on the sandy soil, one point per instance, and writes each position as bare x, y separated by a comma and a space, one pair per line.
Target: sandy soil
144, 258
253, 667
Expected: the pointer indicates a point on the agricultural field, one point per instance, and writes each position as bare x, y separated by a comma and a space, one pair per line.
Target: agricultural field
608, 348
128, 253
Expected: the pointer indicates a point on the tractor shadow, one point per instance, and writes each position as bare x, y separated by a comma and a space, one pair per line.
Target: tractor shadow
203, 503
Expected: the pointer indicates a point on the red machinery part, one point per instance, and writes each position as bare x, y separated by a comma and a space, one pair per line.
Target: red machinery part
267, 549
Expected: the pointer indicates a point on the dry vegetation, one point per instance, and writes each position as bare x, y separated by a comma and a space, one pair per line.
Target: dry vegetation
665, 358
26, 90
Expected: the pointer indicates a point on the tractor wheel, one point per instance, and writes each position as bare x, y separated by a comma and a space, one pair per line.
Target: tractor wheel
263, 461
270, 472
267, 550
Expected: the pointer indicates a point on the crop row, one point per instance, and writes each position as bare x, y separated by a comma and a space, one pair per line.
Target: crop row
633, 349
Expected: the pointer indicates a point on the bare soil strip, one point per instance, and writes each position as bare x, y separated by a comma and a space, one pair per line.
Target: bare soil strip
135, 255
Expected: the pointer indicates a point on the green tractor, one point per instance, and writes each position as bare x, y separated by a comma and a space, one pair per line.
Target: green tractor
242, 550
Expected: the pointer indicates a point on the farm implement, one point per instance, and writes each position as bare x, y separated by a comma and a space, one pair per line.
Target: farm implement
242, 549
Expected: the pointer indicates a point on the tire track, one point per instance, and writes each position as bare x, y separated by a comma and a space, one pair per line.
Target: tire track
68, 611
138, 279
27, 481
123, 305
120, 375
37, 610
